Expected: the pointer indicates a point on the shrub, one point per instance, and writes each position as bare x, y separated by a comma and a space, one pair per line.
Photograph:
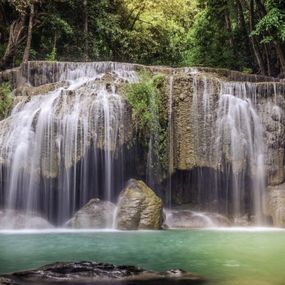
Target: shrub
6, 100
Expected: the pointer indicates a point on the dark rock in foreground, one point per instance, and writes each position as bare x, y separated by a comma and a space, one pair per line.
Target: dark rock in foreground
87, 272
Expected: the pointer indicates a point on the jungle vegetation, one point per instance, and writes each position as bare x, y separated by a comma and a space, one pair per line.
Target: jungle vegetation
245, 35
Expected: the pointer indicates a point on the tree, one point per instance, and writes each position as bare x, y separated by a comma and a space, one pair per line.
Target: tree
30, 32
16, 32
271, 27
247, 35
85, 31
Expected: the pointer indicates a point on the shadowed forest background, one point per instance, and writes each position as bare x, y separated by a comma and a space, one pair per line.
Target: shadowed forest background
245, 35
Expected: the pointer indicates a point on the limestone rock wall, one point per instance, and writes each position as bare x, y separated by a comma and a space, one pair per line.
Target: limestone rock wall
192, 124
195, 112
275, 204
203, 133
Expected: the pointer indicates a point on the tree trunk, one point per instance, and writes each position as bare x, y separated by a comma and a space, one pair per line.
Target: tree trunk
268, 60
243, 25
253, 40
281, 56
16, 38
85, 30
30, 33
261, 8
229, 27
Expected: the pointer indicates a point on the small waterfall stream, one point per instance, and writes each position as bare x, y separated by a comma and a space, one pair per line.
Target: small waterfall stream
228, 136
240, 140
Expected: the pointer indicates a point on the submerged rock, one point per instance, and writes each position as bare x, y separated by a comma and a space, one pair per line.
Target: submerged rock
96, 214
138, 207
275, 206
98, 273
14, 219
191, 219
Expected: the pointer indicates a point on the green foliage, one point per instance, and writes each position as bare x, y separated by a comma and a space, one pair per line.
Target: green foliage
216, 33
273, 21
146, 100
2, 49
209, 43
155, 30
247, 70
6, 99
52, 55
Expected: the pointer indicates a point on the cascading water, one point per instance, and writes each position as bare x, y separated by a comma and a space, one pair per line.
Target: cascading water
58, 149
228, 136
240, 141
64, 146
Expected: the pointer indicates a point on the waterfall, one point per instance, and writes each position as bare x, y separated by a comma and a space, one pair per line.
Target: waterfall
240, 141
66, 141
58, 149
228, 136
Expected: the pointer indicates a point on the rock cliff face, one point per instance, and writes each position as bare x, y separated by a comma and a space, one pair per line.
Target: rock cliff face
226, 133
228, 140
197, 109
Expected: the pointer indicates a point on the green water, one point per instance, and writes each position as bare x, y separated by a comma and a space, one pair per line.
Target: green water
224, 257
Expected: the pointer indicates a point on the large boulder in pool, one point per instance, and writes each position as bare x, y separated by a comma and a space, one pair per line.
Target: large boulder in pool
88, 272
275, 204
96, 214
14, 219
138, 207
192, 219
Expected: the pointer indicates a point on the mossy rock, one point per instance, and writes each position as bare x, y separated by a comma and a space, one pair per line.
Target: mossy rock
138, 207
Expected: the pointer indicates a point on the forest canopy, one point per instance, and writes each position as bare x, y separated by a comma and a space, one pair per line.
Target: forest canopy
245, 35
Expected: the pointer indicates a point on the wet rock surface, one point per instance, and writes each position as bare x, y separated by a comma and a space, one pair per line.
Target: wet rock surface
190, 219
95, 214
138, 207
87, 272
13, 219
27, 90
275, 206
271, 111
